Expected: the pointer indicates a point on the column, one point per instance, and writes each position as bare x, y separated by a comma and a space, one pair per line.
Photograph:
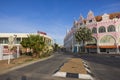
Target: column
77, 48
117, 48
1, 52
98, 49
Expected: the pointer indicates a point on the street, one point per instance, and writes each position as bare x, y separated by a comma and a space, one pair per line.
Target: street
39, 71
103, 67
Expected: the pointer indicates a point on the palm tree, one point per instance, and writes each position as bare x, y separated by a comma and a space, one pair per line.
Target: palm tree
55, 46
25, 43
34, 42
82, 35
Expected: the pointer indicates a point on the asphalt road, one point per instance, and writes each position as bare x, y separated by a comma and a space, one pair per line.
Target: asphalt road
103, 67
42, 70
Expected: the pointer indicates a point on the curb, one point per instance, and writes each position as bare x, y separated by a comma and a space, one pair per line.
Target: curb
87, 68
24, 64
73, 75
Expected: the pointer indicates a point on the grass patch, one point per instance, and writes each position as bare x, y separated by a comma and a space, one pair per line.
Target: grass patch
28, 60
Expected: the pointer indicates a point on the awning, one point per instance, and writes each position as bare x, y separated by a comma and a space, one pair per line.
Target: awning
92, 46
111, 46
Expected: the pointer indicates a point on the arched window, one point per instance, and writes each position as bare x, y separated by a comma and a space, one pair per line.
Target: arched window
111, 28
107, 40
94, 30
102, 29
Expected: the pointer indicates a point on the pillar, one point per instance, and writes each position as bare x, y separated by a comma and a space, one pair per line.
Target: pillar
117, 48
77, 49
1, 52
98, 49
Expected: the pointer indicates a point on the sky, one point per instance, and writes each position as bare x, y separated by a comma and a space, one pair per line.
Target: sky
51, 16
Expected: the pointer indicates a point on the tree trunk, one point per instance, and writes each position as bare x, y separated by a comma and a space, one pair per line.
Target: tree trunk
84, 46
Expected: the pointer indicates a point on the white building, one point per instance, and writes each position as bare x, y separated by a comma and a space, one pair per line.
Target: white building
18, 37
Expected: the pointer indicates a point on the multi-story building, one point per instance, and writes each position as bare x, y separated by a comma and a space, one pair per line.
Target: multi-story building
17, 38
106, 34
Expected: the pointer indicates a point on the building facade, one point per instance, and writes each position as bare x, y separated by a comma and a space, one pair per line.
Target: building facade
106, 34
17, 38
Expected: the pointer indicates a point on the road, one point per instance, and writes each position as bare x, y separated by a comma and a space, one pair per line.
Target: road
103, 67
42, 70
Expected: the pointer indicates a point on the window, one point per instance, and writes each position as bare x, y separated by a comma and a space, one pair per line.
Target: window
18, 40
102, 29
111, 28
102, 50
24, 38
90, 21
94, 30
3, 40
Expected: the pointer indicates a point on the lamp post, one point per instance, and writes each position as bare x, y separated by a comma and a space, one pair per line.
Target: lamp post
14, 42
10, 46
11, 43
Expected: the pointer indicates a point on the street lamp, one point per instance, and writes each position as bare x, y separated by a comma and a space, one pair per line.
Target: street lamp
10, 46
11, 43
15, 42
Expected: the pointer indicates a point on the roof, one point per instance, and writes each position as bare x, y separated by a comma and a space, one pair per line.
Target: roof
111, 16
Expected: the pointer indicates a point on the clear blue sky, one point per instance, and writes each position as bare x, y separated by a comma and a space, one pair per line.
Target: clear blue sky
50, 16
